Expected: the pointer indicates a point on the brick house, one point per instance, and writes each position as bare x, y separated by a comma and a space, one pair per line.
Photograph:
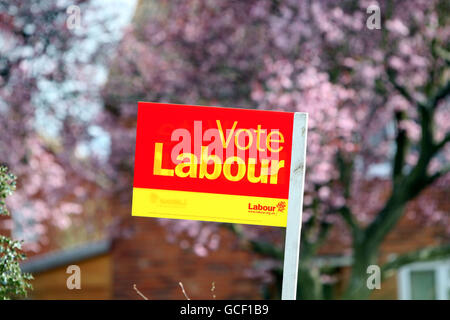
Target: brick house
110, 268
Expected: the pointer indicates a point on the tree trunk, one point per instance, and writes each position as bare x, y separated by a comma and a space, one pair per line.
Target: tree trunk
309, 285
357, 286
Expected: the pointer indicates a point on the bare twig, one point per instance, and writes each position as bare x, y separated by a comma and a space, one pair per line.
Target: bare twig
184, 292
213, 287
139, 293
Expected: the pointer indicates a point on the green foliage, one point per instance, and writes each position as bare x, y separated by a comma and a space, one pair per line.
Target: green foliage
7, 186
13, 283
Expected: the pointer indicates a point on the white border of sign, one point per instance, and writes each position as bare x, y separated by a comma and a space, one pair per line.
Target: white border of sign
295, 206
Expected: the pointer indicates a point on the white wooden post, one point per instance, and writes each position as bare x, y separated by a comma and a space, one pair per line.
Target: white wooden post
295, 205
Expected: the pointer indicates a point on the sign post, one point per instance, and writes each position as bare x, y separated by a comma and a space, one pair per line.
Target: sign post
224, 165
294, 218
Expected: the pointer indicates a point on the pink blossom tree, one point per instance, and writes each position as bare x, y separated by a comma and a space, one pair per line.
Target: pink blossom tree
376, 99
46, 93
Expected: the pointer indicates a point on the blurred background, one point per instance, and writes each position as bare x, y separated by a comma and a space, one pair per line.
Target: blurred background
373, 76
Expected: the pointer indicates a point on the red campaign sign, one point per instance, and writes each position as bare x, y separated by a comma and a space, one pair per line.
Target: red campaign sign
213, 164
157, 122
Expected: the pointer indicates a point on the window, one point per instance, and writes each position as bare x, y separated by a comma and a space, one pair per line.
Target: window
423, 285
425, 281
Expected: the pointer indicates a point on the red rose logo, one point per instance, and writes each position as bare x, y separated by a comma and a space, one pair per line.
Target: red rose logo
281, 206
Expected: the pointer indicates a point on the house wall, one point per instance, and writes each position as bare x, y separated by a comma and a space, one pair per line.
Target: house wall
156, 266
95, 281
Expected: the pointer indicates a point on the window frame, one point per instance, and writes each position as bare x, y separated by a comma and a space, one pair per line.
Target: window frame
442, 278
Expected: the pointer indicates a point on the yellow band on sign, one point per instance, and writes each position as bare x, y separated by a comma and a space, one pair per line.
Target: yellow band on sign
198, 206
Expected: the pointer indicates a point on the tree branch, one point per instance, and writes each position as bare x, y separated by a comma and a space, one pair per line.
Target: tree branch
139, 293
402, 146
267, 249
322, 235
384, 221
260, 247
421, 255
409, 186
438, 174
391, 73
441, 52
441, 93
442, 143
182, 290
349, 218
345, 177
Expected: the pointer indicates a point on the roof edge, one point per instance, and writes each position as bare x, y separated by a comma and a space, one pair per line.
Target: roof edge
66, 256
